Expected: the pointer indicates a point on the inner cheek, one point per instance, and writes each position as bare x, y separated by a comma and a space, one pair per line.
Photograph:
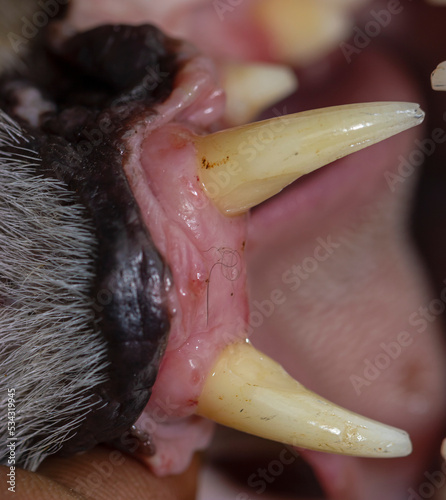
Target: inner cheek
344, 308
339, 331
338, 308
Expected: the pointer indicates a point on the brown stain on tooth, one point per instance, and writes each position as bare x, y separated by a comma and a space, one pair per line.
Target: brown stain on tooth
208, 165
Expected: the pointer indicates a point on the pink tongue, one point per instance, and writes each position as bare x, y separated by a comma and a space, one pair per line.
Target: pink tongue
349, 323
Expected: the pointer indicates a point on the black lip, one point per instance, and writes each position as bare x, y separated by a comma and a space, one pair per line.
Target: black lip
128, 294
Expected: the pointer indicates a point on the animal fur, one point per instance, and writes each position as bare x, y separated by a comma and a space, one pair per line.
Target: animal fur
50, 351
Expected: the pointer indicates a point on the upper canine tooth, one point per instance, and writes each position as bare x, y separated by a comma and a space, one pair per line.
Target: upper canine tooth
301, 31
438, 77
243, 166
250, 392
251, 88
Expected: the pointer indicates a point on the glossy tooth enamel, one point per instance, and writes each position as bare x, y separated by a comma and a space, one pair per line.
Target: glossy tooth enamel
302, 31
251, 88
438, 77
244, 166
250, 392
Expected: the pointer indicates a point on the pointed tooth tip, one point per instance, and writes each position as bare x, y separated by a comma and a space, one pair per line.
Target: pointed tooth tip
250, 392
398, 442
400, 109
243, 166
417, 112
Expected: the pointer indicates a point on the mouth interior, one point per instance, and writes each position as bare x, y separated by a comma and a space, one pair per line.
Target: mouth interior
315, 207
309, 209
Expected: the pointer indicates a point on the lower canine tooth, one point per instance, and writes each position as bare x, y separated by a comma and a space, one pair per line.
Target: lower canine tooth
252, 393
244, 166
438, 77
251, 88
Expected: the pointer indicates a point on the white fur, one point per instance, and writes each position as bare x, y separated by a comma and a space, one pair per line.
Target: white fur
51, 353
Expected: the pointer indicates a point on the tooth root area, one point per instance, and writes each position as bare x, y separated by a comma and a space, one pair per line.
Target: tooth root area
244, 166
438, 77
250, 392
251, 88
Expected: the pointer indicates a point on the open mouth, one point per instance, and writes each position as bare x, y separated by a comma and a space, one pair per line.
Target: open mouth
337, 292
